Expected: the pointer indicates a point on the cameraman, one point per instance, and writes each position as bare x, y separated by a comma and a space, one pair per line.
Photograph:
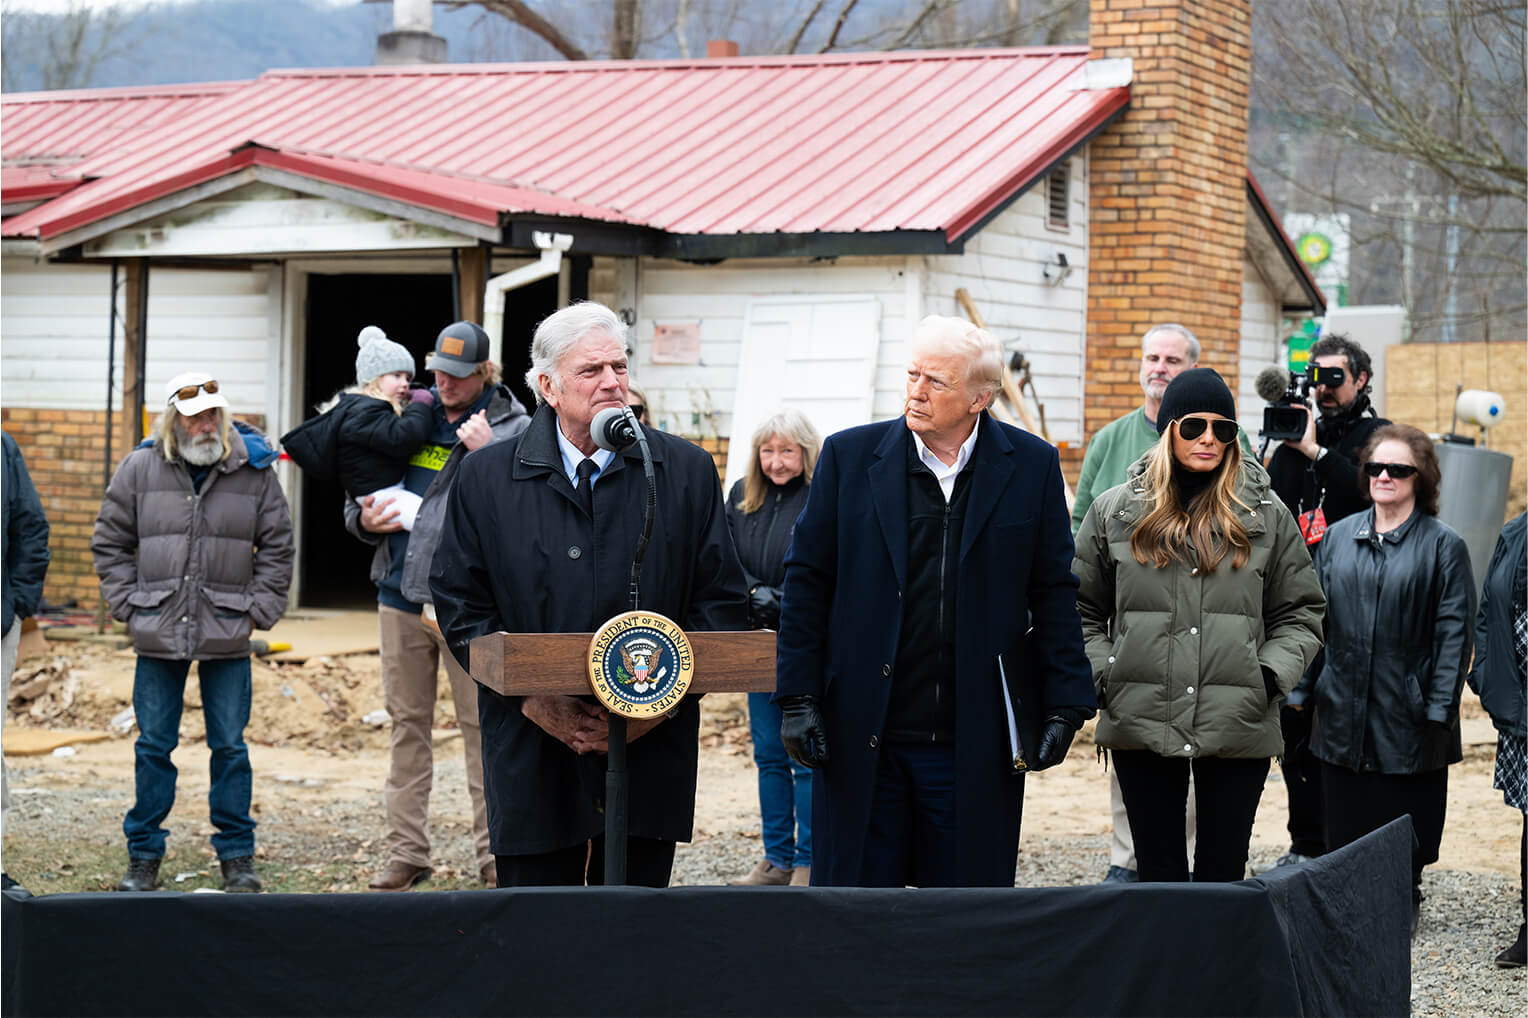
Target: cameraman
1316, 476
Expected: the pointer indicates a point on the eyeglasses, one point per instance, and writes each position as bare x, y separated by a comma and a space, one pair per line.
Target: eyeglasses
210, 386
1190, 428
1397, 471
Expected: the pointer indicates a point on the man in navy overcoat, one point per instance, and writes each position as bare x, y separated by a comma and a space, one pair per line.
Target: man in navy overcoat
930, 573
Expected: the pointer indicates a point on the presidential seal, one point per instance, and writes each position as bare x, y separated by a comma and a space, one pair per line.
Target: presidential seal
640, 665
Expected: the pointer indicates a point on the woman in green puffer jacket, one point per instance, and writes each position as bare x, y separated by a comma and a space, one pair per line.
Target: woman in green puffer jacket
1201, 610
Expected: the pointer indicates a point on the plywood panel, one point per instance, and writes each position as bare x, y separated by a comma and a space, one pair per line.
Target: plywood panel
1421, 379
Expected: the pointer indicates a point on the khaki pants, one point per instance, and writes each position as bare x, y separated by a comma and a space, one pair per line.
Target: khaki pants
411, 656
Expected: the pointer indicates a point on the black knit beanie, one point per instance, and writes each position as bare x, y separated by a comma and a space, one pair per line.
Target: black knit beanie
1195, 391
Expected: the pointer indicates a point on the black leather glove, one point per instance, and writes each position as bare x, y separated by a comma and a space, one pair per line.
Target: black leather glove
1055, 740
764, 606
802, 731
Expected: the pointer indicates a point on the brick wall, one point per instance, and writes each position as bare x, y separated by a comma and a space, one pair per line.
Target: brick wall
1167, 199
64, 450
1420, 379
65, 455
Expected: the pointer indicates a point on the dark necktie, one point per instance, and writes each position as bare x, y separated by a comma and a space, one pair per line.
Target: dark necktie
585, 489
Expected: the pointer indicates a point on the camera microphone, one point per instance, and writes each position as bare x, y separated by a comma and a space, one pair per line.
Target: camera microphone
613, 428
1272, 383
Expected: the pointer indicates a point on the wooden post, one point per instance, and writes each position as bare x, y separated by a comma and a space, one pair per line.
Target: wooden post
474, 276
134, 325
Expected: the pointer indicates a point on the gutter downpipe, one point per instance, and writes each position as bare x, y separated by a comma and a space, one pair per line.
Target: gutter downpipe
552, 246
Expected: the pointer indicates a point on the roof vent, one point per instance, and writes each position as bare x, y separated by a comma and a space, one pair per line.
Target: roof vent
1057, 198
718, 48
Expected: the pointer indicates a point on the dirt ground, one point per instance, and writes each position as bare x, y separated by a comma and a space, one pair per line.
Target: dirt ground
318, 743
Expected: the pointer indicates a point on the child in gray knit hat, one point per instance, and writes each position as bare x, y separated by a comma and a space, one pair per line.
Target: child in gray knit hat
366, 434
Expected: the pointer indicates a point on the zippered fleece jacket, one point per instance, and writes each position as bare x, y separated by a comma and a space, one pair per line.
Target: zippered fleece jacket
1179, 653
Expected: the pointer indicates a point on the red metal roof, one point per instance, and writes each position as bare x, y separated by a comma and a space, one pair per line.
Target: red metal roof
48, 135
928, 142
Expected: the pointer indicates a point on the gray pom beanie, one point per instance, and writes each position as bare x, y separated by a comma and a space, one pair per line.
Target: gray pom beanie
380, 356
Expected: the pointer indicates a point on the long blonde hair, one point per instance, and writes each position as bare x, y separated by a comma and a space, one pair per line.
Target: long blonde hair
792, 425
1209, 523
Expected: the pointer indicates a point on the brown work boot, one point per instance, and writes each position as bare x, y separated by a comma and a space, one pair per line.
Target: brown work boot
399, 876
801, 876
142, 875
764, 874
239, 874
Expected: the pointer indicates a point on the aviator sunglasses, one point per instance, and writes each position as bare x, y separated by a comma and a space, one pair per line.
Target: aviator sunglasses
210, 386
1190, 428
1397, 471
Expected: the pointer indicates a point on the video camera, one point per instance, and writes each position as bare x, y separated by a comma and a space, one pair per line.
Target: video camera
1288, 398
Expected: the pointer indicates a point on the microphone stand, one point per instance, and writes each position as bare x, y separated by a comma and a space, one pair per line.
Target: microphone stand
617, 782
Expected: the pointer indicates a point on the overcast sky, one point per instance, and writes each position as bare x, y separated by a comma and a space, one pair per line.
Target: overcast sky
59, 6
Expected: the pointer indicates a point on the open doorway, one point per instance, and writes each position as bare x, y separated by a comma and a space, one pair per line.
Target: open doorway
411, 309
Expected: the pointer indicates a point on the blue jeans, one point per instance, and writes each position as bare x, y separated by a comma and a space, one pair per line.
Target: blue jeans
158, 694
785, 789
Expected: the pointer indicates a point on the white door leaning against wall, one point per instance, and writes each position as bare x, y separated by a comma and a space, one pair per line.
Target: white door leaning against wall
812, 352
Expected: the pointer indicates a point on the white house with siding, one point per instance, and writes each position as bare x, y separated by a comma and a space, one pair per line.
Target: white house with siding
772, 229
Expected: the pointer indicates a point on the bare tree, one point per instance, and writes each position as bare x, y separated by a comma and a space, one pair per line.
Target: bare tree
59, 50
1408, 116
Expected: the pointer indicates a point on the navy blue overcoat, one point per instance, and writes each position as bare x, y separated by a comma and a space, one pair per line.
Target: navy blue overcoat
841, 615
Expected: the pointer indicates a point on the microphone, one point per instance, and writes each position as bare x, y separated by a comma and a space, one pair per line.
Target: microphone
1271, 384
613, 428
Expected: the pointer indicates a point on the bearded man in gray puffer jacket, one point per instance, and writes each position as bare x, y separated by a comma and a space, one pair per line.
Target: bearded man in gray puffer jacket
194, 549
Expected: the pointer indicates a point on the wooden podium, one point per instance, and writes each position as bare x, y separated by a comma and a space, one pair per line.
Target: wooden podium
532, 664
535, 664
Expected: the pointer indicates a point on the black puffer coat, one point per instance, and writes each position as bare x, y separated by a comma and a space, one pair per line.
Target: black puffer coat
1399, 631
360, 441
762, 538
1497, 675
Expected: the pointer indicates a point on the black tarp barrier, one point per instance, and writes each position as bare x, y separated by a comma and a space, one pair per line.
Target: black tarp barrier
1329, 937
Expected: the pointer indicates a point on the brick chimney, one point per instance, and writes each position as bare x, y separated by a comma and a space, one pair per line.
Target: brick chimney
1167, 190
717, 49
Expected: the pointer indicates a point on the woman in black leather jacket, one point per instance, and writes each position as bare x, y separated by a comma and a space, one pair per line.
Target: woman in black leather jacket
1500, 675
761, 512
1399, 631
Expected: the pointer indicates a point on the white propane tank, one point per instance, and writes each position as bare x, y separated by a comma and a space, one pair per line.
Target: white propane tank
1479, 407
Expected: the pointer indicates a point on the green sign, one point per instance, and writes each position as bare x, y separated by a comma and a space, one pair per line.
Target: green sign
1313, 248
1300, 344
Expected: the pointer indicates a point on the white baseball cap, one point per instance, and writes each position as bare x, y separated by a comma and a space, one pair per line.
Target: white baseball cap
191, 392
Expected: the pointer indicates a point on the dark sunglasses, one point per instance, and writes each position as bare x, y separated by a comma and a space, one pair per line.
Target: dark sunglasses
210, 386
1397, 471
1190, 428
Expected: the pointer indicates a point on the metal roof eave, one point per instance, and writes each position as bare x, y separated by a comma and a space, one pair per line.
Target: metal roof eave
1064, 148
248, 165
625, 240
1316, 300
